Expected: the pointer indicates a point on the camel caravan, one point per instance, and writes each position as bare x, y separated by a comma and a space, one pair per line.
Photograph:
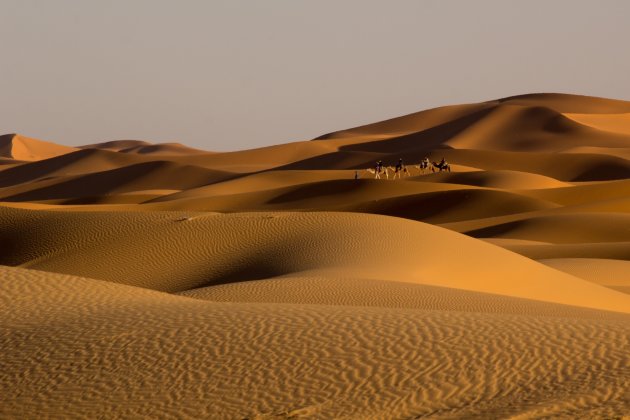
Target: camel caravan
401, 170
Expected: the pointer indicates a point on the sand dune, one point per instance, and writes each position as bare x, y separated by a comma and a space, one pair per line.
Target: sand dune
622, 152
563, 228
269, 245
614, 274
616, 123
311, 289
261, 159
407, 124
566, 103
116, 145
579, 167
318, 195
162, 149
24, 148
541, 251
74, 163
261, 181
452, 206
518, 128
138, 177
503, 179
585, 193
143, 280
144, 147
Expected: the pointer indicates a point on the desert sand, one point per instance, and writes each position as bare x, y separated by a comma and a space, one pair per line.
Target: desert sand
162, 281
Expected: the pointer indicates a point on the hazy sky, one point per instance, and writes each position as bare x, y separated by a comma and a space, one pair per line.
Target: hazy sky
226, 75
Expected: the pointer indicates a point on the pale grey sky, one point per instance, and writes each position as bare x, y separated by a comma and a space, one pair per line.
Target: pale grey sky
227, 75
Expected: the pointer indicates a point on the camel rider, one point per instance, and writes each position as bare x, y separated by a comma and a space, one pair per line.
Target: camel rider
443, 163
379, 166
399, 165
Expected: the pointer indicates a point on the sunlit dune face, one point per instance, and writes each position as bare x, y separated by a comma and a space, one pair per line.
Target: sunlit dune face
616, 123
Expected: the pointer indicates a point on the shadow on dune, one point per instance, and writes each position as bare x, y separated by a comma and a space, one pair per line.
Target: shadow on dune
562, 228
422, 141
615, 168
333, 160
141, 176
502, 127
495, 230
255, 268
42, 168
561, 166
450, 206
505, 128
405, 124
320, 189
359, 159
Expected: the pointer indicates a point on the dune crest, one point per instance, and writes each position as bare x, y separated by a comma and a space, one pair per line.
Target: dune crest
144, 147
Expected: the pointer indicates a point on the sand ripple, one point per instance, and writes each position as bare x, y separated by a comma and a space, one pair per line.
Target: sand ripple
83, 349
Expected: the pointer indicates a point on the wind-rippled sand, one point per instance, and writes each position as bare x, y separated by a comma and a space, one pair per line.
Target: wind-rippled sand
76, 347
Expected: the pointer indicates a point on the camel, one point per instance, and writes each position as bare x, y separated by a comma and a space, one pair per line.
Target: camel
398, 170
377, 174
440, 166
423, 165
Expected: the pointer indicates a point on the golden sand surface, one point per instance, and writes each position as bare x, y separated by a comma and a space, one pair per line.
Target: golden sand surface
142, 280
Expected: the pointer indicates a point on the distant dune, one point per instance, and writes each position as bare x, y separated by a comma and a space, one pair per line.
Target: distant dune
15, 146
156, 280
144, 147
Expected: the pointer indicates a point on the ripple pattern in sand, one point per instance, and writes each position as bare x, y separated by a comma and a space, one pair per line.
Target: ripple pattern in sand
88, 349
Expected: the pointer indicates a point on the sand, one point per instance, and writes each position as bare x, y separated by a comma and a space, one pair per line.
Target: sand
157, 280
22, 148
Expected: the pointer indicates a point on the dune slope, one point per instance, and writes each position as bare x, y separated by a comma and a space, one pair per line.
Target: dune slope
175, 252
24, 148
